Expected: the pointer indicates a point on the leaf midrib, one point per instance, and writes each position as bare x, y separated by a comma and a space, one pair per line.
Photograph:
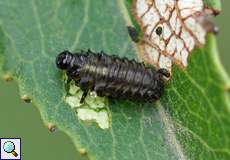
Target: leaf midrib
164, 116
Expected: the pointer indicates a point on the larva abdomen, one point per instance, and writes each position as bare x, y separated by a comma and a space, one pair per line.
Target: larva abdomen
112, 76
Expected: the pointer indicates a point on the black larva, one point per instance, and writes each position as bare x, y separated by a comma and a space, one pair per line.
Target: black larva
112, 76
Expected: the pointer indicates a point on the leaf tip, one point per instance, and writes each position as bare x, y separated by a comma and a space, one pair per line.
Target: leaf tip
214, 5
51, 127
83, 151
26, 98
7, 77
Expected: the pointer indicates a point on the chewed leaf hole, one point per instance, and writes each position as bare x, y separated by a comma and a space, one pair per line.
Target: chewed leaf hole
171, 29
94, 109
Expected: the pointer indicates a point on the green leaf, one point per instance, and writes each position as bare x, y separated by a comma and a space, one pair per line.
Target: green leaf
190, 122
214, 4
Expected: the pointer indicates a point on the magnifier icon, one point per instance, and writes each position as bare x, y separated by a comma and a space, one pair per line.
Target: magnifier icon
9, 147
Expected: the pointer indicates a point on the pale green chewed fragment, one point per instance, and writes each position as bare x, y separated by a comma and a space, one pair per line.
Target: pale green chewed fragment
73, 89
94, 101
73, 101
101, 117
93, 109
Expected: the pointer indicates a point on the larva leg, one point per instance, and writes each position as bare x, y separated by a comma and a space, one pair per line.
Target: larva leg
68, 80
133, 34
83, 97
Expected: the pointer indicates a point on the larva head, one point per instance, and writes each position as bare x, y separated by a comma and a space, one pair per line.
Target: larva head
64, 59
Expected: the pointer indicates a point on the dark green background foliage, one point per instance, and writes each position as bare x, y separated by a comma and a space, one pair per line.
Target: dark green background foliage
31, 35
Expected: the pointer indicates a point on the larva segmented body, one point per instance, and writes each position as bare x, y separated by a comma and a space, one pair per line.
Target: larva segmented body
112, 76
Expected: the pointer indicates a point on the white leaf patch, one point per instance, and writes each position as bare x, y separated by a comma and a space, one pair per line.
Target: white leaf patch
171, 30
93, 109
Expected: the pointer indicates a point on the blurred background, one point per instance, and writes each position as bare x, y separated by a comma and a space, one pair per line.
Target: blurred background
18, 119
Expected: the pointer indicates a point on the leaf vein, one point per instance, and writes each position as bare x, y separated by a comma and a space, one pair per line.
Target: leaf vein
38, 20
81, 29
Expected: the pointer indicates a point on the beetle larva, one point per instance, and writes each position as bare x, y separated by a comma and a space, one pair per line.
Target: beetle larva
112, 76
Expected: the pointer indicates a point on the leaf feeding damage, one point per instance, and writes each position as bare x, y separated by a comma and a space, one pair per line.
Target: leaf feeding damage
172, 29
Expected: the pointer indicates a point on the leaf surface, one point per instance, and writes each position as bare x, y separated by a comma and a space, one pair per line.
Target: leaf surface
190, 122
